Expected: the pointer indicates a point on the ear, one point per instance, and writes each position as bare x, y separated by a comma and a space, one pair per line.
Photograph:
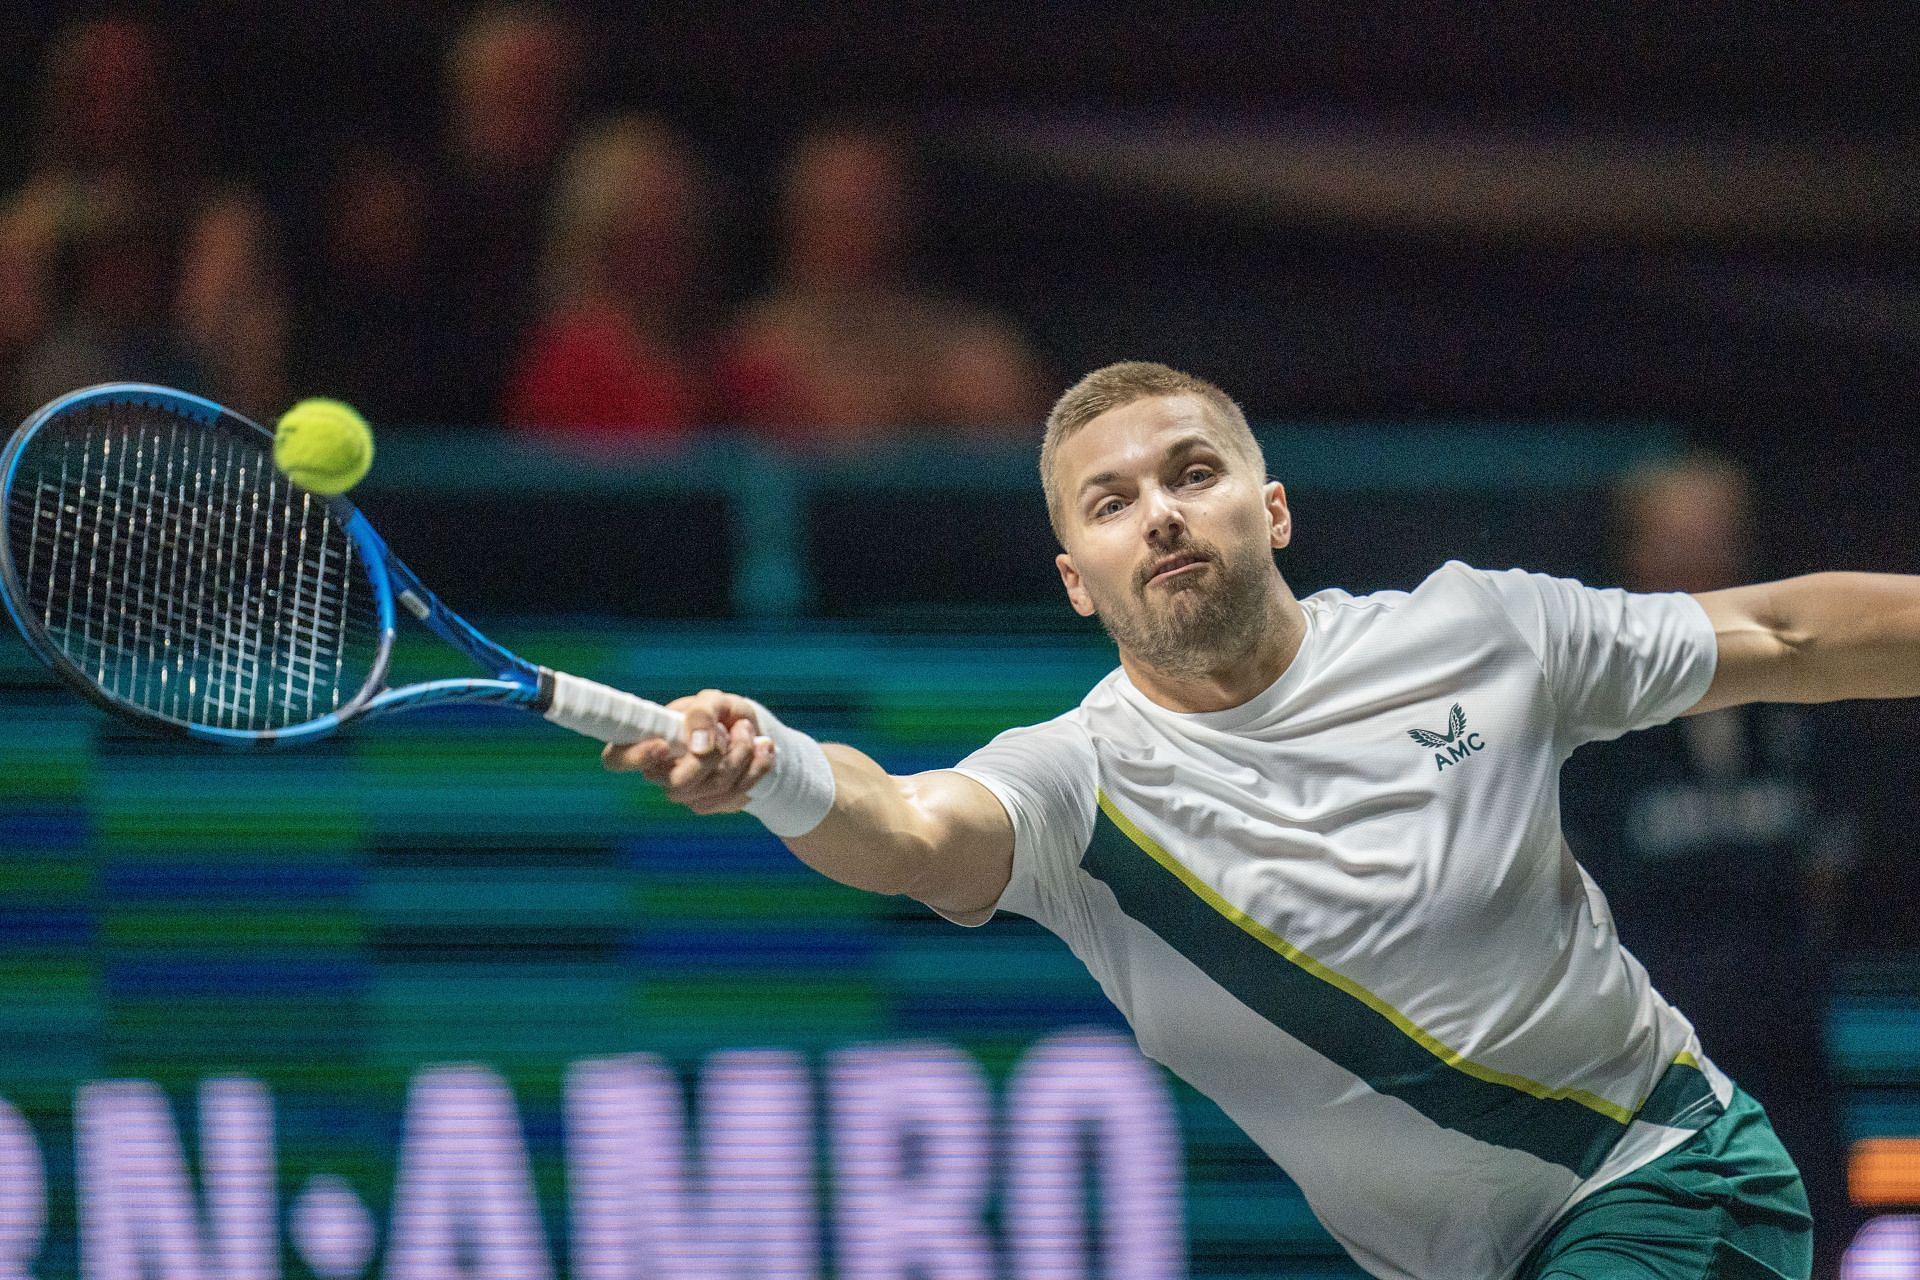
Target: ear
1279, 518
1076, 589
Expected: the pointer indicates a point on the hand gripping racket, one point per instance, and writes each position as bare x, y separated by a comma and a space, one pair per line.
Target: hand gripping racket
155, 558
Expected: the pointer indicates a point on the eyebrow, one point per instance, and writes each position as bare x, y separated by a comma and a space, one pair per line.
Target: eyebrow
1185, 444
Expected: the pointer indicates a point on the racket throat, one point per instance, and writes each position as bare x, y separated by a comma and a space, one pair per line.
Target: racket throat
543, 691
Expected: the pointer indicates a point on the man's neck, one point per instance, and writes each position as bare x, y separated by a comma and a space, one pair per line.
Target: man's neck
1235, 678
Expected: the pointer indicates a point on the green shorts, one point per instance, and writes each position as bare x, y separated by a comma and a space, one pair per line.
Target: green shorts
1725, 1205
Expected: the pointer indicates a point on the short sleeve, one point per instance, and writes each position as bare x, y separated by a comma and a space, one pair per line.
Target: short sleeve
1614, 660
1046, 777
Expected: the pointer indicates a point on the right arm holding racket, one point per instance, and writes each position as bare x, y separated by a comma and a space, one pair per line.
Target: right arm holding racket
939, 837
157, 559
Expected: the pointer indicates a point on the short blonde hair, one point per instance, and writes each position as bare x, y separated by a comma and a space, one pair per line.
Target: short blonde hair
614, 164
1115, 386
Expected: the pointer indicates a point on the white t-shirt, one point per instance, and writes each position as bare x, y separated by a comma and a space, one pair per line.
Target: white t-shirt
1344, 910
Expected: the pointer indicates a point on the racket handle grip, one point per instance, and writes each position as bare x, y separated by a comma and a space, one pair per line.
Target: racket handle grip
608, 714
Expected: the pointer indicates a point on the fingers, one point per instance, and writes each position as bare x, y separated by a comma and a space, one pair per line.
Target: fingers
729, 776
700, 734
648, 756
760, 765
717, 761
714, 782
709, 716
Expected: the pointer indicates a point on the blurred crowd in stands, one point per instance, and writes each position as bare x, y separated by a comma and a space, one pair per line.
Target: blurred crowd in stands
533, 265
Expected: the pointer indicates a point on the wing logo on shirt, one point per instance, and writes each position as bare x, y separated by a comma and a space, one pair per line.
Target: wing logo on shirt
1455, 745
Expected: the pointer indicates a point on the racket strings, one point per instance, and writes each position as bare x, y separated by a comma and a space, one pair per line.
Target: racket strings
174, 565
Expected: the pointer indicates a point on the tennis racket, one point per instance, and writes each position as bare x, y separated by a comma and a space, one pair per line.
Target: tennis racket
158, 562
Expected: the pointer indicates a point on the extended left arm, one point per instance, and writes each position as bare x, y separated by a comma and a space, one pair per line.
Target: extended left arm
1820, 638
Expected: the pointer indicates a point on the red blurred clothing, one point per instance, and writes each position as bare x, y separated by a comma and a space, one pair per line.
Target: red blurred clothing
587, 371
858, 363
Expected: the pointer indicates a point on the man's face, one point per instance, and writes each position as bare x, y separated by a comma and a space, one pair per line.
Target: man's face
1169, 533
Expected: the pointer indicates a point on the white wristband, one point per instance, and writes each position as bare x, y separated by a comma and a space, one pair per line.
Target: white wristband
797, 793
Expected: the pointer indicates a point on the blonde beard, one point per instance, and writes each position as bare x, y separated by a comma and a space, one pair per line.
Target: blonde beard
1199, 628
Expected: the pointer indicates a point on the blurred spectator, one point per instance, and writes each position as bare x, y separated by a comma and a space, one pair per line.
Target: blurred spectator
104, 142
512, 83
845, 344
106, 112
367, 331
621, 348
113, 262
30, 227
1719, 846
116, 257
139, 294
230, 308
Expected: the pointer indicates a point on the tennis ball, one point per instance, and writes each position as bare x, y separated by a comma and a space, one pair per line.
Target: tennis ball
323, 445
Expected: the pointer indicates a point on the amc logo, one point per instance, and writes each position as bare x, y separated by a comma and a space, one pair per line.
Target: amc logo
1453, 746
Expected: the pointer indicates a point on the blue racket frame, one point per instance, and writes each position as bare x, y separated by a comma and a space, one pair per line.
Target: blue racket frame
515, 681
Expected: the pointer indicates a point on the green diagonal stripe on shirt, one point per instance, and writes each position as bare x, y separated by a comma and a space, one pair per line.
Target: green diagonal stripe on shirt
1682, 1098
1355, 1029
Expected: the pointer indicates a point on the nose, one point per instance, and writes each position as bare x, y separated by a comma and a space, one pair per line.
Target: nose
1163, 519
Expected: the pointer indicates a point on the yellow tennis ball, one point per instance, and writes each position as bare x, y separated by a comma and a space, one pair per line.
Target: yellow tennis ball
323, 445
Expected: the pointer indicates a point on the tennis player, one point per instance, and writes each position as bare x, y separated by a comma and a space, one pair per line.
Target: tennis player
1311, 849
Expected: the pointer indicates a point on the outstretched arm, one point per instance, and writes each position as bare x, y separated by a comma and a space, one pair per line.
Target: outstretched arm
1819, 638
939, 837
